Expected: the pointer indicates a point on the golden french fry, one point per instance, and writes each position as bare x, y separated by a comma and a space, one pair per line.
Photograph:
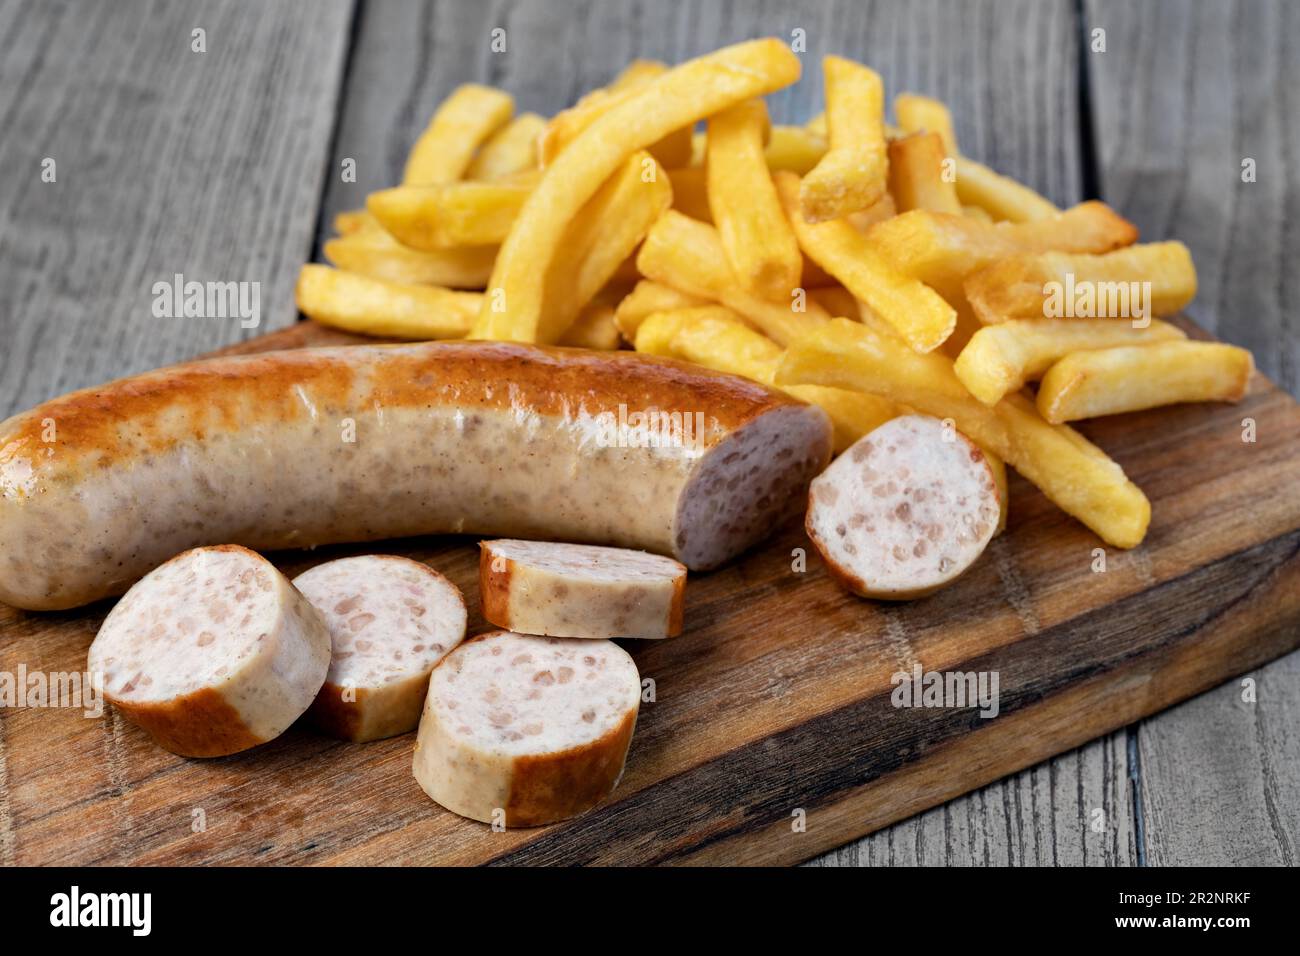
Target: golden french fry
1155, 278
389, 309
376, 254
975, 212
468, 213
1000, 196
602, 235
999, 359
978, 186
672, 151
1129, 379
1069, 469
837, 301
919, 315
691, 192
594, 328
941, 250
514, 306
447, 146
756, 236
646, 298
687, 255
512, 149
922, 114
853, 173
794, 149
717, 338
916, 175
655, 334
352, 221
882, 209
818, 126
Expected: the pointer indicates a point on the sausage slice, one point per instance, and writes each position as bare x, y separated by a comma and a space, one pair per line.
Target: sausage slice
523, 730
391, 620
905, 510
579, 590
212, 652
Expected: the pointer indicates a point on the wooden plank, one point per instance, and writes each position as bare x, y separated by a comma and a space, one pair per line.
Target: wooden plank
1014, 97
1183, 94
753, 722
167, 161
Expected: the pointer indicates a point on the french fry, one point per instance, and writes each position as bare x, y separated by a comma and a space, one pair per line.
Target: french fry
975, 212
376, 254
691, 192
998, 196
655, 334
837, 301
716, 338
756, 237
1069, 469
602, 235
468, 213
1000, 359
687, 255
942, 250
511, 149
922, 114
352, 221
853, 173
794, 149
1019, 287
648, 297
447, 146
919, 315
389, 309
594, 328
818, 126
672, 151
916, 175
685, 94
1129, 379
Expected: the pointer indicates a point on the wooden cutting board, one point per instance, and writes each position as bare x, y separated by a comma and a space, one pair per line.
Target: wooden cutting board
772, 737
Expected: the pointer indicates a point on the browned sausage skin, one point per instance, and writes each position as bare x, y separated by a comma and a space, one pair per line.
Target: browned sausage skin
358, 443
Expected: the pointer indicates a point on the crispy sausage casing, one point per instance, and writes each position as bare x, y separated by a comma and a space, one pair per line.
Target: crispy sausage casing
358, 443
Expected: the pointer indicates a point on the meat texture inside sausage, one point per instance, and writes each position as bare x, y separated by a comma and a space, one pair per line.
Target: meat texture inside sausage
905, 510
391, 620
522, 730
580, 590
358, 443
212, 653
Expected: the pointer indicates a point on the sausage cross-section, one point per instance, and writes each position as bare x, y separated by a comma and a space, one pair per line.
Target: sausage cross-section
391, 620
904, 510
212, 653
580, 590
359, 443
523, 730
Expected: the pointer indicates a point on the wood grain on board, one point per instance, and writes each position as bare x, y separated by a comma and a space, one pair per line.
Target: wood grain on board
1183, 95
774, 705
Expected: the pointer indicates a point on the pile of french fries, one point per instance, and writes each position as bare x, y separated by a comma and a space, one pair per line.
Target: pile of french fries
871, 269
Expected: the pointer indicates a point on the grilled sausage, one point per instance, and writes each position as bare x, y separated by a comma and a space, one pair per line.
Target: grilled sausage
358, 443
904, 510
211, 653
580, 590
520, 730
391, 620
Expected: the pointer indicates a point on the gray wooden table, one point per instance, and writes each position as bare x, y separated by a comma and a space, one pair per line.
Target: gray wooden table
225, 164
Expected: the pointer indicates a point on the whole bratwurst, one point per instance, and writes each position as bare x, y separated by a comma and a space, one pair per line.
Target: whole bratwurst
357, 443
